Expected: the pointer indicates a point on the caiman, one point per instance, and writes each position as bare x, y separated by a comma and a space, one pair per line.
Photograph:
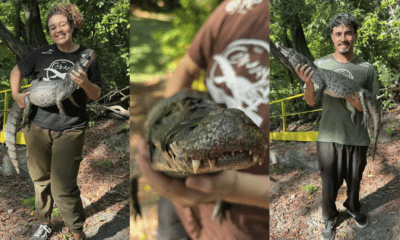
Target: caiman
339, 86
189, 133
43, 94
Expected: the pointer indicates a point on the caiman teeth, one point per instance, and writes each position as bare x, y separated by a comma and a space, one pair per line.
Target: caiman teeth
211, 162
196, 165
255, 157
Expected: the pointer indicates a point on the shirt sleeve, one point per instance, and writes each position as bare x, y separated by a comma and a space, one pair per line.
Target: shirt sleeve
27, 65
373, 86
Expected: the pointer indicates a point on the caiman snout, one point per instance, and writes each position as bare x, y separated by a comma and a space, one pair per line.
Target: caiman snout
225, 139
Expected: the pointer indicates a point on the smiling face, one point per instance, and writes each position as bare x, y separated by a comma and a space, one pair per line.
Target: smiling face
60, 30
344, 37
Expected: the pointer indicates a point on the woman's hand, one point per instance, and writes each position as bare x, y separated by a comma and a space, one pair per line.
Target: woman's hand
79, 77
92, 91
19, 98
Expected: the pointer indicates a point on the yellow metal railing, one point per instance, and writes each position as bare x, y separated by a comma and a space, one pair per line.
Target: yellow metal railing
292, 136
20, 136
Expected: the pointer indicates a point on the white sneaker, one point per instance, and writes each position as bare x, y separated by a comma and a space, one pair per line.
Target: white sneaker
41, 233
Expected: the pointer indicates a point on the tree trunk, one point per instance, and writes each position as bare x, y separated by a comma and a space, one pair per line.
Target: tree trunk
34, 29
20, 49
298, 38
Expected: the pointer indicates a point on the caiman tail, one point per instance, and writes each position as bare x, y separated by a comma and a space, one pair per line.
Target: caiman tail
375, 110
13, 120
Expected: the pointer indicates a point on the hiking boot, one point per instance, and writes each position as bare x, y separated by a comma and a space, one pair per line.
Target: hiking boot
360, 218
41, 233
328, 230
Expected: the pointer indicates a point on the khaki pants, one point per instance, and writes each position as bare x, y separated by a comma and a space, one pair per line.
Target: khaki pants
53, 162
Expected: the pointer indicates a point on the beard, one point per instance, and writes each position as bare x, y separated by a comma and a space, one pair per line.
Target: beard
344, 51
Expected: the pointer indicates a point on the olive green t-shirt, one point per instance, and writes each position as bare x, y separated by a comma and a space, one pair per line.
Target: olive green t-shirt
336, 125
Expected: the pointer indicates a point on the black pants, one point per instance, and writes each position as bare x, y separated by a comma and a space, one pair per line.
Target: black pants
337, 163
169, 225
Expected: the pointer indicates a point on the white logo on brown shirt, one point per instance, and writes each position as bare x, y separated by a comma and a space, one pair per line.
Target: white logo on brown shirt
240, 6
248, 89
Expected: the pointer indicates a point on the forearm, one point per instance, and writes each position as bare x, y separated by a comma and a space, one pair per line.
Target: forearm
15, 81
182, 77
92, 90
250, 189
309, 94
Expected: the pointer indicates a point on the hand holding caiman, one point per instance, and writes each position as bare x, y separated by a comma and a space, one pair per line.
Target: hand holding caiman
339, 86
44, 94
190, 134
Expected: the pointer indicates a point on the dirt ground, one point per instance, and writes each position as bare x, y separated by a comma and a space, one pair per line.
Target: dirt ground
104, 183
296, 214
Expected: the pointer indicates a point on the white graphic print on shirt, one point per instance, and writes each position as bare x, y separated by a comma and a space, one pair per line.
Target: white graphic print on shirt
246, 95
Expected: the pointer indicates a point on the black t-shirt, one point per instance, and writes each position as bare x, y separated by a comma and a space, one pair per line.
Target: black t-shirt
48, 63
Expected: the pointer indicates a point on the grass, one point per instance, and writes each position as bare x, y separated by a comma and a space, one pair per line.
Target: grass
147, 61
310, 189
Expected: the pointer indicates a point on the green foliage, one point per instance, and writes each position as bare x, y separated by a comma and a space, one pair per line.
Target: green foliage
390, 130
310, 189
277, 170
146, 56
186, 24
29, 202
55, 213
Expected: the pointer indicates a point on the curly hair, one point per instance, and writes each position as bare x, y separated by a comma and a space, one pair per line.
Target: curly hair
346, 18
71, 12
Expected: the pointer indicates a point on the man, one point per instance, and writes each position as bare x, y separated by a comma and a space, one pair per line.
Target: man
232, 47
341, 145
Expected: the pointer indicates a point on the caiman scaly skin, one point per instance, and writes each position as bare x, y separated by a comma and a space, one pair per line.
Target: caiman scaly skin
190, 134
43, 94
339, 86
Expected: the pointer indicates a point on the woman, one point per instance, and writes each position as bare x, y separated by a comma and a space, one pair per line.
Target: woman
54, 144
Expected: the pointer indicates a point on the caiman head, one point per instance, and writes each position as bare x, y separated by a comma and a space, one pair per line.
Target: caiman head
293, 56
85, 61
225, 139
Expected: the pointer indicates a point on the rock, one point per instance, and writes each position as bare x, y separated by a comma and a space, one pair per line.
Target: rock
295, 154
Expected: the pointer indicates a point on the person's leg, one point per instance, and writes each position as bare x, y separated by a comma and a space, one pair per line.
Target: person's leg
169, 225
331, 177
66, 159
356, 163
38, 145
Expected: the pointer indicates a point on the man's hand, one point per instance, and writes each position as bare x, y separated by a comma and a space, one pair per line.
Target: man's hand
305, 75
356, 103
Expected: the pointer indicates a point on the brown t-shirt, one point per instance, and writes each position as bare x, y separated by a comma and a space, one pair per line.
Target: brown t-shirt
233, 48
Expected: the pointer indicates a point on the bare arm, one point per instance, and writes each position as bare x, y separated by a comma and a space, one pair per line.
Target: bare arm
15, 82
305, 76
235, 187
356, 103
182, 77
